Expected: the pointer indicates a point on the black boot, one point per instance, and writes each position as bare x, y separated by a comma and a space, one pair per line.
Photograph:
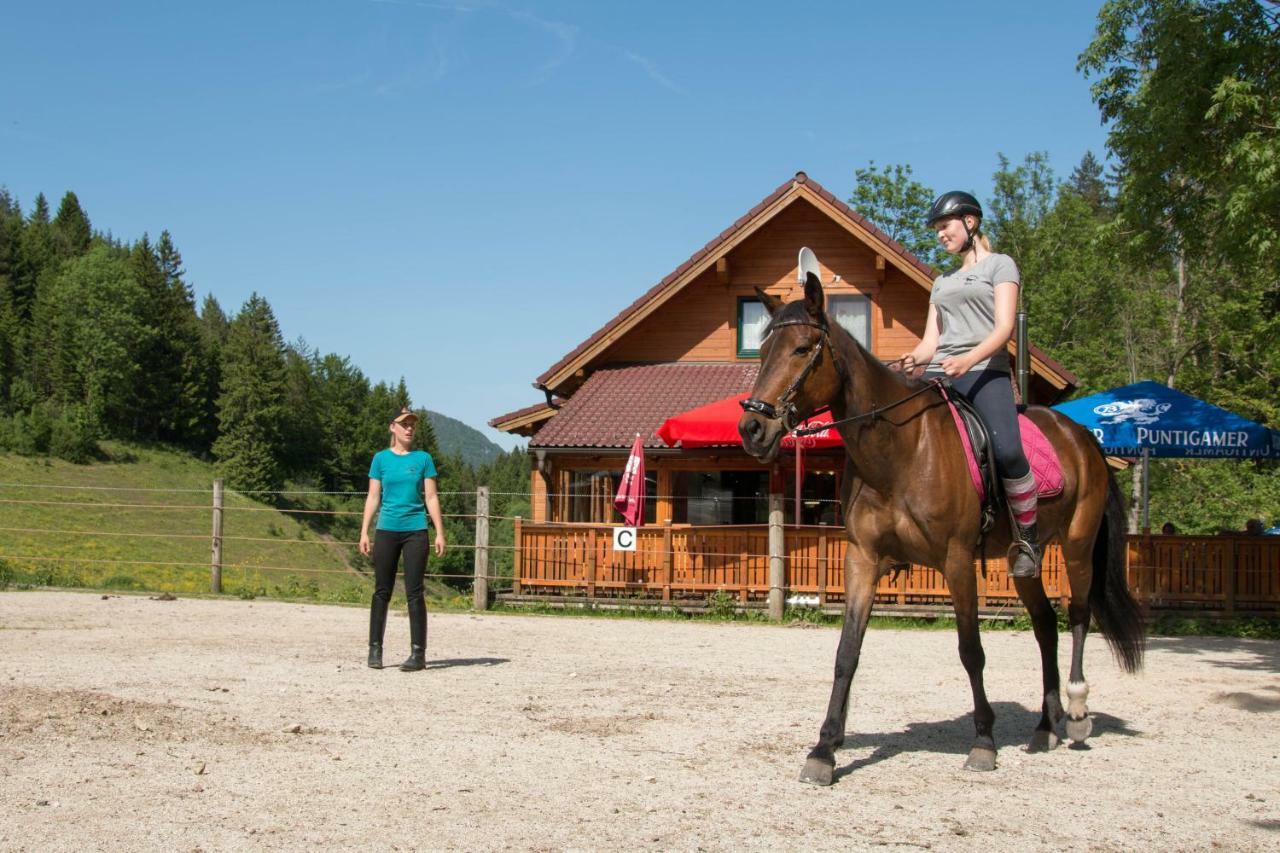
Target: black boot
417, 659
1024, 554
377, 627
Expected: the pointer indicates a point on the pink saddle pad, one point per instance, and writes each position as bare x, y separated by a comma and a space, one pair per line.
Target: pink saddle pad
1040, 453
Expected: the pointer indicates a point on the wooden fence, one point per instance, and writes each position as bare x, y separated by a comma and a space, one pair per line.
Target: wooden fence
686, 563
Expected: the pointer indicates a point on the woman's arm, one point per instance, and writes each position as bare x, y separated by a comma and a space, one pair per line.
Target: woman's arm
1006, 309
918, 358
433, 507
371, 502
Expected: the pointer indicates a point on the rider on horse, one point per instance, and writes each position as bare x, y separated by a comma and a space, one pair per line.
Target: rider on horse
970, 321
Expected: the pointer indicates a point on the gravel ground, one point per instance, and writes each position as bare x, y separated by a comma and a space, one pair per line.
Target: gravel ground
128, 723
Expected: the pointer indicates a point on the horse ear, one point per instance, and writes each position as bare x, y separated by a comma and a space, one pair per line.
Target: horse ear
772, 304
815, 302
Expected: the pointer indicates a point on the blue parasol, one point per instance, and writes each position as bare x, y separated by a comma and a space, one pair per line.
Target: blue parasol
1148, 419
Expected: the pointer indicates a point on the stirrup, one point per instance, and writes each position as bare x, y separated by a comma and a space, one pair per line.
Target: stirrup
1023, 558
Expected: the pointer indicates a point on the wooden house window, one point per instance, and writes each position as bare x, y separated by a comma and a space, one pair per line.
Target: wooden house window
752, 318
720, 497
591, 493
853, 313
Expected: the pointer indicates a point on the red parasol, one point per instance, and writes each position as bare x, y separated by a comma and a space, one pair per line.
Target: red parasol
630, 498
716, 424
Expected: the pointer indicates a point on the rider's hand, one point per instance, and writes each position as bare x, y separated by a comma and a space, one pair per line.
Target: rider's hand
957, 365
910, 366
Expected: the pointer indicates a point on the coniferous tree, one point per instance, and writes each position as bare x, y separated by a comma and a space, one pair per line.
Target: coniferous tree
251, 408
71, 230
37, 255
341, 393
10, 329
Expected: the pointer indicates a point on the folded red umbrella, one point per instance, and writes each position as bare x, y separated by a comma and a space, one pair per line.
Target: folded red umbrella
630, 498
716, 425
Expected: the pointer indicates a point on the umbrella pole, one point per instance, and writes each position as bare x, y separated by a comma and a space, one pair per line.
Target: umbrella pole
799, 479
1146, 491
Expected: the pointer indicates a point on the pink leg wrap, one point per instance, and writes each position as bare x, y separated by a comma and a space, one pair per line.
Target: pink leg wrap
1022, 498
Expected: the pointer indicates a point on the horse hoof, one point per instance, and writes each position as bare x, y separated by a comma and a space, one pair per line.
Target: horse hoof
981, 759
1079, 730
1043, 741
817, 772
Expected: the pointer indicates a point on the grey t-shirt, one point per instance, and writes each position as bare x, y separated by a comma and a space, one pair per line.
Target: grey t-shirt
966, 305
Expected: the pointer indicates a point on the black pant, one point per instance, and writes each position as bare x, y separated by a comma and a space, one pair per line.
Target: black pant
991, 394
388, 545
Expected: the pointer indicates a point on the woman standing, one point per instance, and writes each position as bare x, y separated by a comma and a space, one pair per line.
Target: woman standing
395, 476
970, 321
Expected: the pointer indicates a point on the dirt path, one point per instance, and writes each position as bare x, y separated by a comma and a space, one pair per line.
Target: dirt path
128, 723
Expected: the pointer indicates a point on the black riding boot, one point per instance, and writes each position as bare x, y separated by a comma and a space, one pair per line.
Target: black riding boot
417, 636
377, 626
1024, 554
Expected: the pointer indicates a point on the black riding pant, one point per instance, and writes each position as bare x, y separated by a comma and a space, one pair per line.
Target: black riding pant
991, 394
388, 546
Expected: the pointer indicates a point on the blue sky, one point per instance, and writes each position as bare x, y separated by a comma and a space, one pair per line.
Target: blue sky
460, 192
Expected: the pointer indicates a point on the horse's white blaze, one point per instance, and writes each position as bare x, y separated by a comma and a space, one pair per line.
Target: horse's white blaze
1077, 699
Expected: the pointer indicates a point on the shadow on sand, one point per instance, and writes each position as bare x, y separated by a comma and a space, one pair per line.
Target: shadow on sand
451, 662
955, 736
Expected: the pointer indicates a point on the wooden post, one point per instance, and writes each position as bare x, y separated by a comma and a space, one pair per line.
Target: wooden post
777, 568
982, 589
516, 561
592, 560
215, 563
903, 576
822, 569
1229, 582
667, 558
480, 587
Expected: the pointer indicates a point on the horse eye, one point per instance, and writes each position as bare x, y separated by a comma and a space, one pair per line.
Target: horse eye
804, 350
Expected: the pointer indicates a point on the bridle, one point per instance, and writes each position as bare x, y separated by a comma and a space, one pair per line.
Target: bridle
785, 409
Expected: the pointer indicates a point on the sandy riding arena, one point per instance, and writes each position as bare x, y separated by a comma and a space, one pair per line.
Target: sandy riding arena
132, 723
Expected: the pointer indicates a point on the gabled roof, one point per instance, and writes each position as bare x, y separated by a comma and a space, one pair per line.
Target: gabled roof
801, 186
616, 403
525, 421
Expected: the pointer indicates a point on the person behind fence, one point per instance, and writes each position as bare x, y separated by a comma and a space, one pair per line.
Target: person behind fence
402, 492
970, 321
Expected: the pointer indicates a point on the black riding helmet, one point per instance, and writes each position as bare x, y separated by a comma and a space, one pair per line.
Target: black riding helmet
956, 203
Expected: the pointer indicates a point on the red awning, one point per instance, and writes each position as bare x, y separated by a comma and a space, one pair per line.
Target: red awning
716, 425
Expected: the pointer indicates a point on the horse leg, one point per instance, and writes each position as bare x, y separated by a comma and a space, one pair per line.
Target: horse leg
1079, 723
1045, 624
861, 575
964, 599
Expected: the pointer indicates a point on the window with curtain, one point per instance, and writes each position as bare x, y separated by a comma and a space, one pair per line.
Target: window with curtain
853, 313
752, 318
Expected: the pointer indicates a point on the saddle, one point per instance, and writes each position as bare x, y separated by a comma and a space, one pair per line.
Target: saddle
980, 455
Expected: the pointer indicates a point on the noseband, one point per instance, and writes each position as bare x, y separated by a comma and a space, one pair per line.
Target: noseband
785, 408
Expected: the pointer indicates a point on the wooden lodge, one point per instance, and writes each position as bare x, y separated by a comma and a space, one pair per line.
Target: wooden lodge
690, 340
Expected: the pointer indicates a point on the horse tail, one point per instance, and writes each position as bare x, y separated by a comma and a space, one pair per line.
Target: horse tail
1113, 606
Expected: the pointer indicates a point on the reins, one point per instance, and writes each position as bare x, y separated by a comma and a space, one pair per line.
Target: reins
933, 384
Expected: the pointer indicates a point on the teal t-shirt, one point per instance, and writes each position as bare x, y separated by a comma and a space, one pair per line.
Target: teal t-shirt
401, 477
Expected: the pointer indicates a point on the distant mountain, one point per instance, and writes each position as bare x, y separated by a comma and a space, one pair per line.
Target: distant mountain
457, 439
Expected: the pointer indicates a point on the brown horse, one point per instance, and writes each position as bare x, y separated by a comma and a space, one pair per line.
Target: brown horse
908, 498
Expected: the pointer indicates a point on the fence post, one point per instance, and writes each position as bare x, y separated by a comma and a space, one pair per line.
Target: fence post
777, 569
593, 558
215, 562
822, 569
517, 557
480, 588
1230, 579
667, 559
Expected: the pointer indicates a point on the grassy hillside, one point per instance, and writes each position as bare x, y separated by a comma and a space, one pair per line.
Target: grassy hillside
142, 520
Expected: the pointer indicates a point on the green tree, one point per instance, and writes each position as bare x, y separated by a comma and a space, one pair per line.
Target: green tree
89, 331
36, 257
252, 406
71, 230
898, 205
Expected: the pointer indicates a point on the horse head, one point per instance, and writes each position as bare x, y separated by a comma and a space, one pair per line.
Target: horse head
797, 371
